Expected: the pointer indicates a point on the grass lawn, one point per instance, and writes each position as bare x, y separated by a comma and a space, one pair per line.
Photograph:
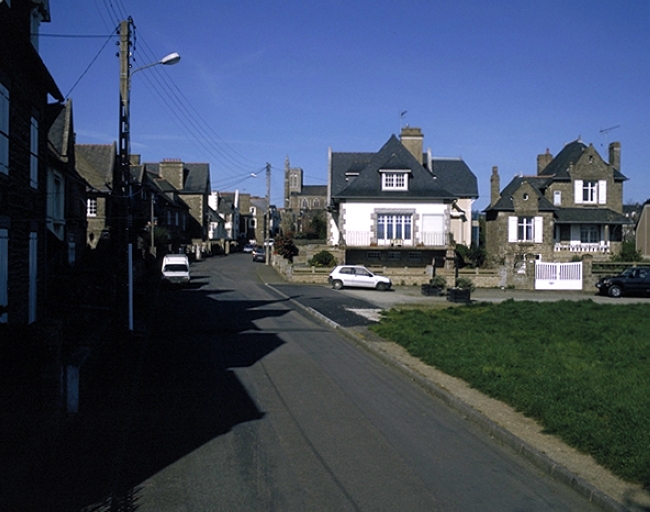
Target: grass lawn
581, 369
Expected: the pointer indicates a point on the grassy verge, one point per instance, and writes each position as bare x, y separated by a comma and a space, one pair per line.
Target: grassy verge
581, 369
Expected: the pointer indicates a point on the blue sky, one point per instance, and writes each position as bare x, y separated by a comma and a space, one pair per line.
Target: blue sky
495, 83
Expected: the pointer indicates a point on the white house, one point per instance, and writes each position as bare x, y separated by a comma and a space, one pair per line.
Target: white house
399, 206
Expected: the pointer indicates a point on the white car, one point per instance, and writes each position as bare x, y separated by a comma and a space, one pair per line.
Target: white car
357, 276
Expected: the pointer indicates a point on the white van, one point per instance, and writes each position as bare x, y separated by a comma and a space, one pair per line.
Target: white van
176, 269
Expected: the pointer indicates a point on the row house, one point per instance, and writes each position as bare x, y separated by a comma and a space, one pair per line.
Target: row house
25, 88
400, 205
572, 206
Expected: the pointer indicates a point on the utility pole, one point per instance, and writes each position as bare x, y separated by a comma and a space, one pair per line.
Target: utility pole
123, 182
267, 227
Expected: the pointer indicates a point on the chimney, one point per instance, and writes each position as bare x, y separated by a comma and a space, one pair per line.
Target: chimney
615, 155
171, 169
412, 139
543, 161
495, 186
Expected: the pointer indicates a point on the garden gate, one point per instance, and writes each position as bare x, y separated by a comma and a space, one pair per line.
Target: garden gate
558, 276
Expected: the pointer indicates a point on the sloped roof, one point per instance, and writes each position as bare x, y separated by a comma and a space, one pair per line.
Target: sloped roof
538, 183
454, 174
590, 216
95, 163
357, 175
197, 180
570, 154
313, 190
59, 121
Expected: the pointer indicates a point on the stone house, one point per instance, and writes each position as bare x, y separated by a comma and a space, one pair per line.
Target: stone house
572, 206
192, 181
399, 206
66, 201
643, 231
25, 85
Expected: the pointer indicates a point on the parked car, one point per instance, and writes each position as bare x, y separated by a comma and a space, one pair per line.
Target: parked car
357, 276
249, 248
269, 242
259, 254
632, 281
176, 269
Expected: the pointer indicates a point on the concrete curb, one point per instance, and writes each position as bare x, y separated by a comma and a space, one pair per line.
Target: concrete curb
530, 453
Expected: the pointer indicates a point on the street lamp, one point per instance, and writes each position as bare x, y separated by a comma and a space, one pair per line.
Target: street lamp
123, 175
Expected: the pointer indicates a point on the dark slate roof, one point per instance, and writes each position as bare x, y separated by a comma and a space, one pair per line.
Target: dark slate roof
313, 190
570, 154
95, 163
59, 120
589, 216
367, 185
198, 179
454, 174
538, 182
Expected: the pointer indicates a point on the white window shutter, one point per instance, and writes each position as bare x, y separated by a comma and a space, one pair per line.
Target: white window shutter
538, 230
577, 196
602, 192
512, 229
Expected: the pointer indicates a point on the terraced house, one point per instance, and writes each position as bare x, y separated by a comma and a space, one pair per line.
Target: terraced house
399, 206
572, 206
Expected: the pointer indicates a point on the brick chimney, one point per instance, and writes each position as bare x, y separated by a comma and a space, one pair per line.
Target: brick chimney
412, 139
615, 155
495, 186
543, 161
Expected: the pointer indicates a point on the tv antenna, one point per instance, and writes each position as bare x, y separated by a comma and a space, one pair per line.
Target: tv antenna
607, 130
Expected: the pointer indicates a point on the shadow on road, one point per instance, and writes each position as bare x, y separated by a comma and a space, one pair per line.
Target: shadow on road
149, 404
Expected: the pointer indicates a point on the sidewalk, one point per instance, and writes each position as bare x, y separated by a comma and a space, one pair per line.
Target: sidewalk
499, 420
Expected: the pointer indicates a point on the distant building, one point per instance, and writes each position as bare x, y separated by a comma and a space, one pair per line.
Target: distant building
301, 202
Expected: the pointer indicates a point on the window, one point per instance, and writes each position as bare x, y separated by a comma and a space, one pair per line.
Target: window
589, 234
304, 204
316, 203
394, 181
373, 256
415, 256
252, 210
394, 226
525, 229
56, 203
4, 273
590, 191
33, 153
557, 198
4, 130
33, 275
91, 207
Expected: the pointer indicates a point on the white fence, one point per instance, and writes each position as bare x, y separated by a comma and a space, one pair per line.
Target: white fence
558, 276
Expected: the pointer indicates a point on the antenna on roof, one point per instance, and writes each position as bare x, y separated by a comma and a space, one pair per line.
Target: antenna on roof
605, 131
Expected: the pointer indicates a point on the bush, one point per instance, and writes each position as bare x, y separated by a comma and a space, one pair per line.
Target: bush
285, 247
438, 281
323, 259
628, 252
465, 283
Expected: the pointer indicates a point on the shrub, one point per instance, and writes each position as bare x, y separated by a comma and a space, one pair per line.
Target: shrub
285, 247
439, 281
465, 283
323, 259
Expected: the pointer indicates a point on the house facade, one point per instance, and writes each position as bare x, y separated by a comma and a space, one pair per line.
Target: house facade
192, 181
643, 231
399, 206
572, 206
25, 87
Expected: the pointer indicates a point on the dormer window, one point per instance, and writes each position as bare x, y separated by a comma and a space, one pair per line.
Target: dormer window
394, 180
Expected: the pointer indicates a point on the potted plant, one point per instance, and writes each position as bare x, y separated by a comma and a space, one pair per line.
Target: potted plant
462, 292
435, 287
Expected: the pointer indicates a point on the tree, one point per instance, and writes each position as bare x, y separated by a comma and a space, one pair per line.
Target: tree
285, 247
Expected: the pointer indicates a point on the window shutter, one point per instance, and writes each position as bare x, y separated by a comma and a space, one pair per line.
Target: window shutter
512, 229
538, 230
577, 196
602, 192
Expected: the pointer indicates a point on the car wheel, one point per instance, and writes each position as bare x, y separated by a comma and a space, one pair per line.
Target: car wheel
615, 291
382, 287
337, 285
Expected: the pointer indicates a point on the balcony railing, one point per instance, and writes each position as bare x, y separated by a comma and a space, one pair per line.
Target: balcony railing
602, 247
427, 239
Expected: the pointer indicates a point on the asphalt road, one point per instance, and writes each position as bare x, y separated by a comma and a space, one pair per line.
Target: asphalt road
238, 402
